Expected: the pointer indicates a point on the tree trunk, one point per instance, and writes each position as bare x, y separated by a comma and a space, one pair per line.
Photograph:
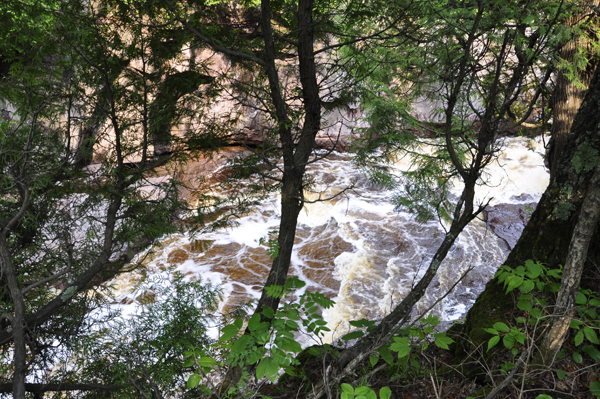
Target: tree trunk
546, 237
17, 320
295, 156
567, 97
578, 249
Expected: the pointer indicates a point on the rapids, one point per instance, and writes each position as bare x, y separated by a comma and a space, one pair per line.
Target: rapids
357, 249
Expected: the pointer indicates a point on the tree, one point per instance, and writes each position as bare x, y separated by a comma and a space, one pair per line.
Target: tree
578, 61
482, 69
65, 228
478, 58
548, 236
282, 45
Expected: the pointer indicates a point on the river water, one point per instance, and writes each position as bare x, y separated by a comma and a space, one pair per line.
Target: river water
356, 249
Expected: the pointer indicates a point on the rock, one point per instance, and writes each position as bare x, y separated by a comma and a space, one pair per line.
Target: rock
507, 221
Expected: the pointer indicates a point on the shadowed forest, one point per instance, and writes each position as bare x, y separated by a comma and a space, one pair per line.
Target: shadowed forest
126, 124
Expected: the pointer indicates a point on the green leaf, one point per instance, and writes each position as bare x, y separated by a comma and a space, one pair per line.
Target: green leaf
348, 389
385, 393
262, 338
442, 340
524, 304
501, 327
401, 345
595, 388
590, 334
291, 325
590, 313
581, 298
594, 302
353, 335
359, 323
513, 282
288, 345
533, 269
520, 337
578, 338
255, 355
575, 324
543, 396
527, 286
577, 357
491, 331
193, 381
386, 356
268, 312
561, 374
554, 287
593, 352
361, 391
508, 341
238, 323
230, 331
241, 343
254, 322
493, 342
267, 367
206, 361
188, 363
292, 314
373, 360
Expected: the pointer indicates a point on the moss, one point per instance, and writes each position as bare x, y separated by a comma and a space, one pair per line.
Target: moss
492, 306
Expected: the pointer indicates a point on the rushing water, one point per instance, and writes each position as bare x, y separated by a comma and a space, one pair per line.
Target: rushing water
356, 248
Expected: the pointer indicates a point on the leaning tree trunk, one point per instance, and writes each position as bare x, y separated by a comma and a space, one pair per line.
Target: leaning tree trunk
547, 236
565, 303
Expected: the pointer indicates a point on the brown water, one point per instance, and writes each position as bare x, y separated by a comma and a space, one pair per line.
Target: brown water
355, 249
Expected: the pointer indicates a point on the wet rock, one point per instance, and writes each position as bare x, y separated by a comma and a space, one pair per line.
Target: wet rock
507, 221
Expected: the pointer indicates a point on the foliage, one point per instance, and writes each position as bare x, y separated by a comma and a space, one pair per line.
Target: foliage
77, 89
537, 285
142, 350
451, 55
269, 347
102, 78
364, 392
272, 246
268, 342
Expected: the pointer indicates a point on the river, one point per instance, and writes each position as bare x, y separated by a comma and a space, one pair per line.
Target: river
357, 249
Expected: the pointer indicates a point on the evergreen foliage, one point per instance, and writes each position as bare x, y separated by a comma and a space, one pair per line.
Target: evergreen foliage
106, 81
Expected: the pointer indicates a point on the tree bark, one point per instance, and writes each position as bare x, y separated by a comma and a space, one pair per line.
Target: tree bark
295, 154
573, 269
567, 97
17, 320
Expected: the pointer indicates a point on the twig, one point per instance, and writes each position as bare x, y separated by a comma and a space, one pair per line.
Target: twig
508, 378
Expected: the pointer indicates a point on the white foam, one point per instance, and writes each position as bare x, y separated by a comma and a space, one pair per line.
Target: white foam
380, 253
